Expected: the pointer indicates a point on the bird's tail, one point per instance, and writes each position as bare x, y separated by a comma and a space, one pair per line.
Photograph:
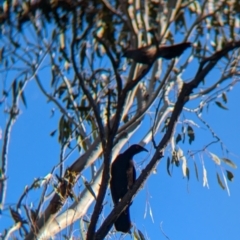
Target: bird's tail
123, 223
169, 52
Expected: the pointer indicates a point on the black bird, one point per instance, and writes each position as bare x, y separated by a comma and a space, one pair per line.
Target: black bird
148, 54
123, 176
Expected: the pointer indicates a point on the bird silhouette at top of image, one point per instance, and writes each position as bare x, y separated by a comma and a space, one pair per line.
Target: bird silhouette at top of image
123, 176
149, 54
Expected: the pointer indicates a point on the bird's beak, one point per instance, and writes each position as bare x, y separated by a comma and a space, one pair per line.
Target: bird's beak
144, 149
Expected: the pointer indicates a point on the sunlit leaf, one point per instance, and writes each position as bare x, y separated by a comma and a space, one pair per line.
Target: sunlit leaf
205, 180
62, 40
46, 179
215, 158
135, 235
191, 122
180, 156
195, 7
66, 65
150, 212
184, 166
179, 153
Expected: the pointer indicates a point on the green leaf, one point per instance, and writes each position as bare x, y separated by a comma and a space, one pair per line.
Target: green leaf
191, 134
229, 162
220, 182
224, 97
196, 170
135, 235
219, 104
215, 158
230, 175
179, 138
141, 235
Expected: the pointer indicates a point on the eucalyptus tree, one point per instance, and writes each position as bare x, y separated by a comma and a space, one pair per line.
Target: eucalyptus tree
75, 52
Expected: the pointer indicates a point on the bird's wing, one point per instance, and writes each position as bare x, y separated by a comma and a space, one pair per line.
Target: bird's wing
144, 55
114, 193
169, 52
131, 174
114, 180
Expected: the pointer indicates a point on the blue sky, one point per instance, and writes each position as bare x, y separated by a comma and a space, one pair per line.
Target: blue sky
186, 209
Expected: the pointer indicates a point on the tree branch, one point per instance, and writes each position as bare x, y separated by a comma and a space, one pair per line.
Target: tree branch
182, 99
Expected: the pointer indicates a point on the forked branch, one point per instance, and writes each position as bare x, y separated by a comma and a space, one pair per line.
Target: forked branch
183, 97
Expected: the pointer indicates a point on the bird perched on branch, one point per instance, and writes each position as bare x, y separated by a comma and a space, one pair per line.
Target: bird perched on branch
148, 54
123, 175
